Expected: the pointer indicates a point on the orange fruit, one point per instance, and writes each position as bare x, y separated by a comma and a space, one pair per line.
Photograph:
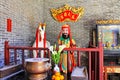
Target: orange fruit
57, 73
62, 77
57, 78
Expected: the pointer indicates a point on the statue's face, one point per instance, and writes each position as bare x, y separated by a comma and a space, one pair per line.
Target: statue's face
65, 33
42, 30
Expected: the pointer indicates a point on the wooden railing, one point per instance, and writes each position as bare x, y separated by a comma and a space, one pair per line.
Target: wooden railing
95, 71
23, 48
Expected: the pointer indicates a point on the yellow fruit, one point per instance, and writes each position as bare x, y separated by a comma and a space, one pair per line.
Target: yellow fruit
57, 73
57, 78
62, 77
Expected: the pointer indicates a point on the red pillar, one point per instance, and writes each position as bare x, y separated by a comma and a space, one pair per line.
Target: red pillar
90, 71
100, 61
6, 53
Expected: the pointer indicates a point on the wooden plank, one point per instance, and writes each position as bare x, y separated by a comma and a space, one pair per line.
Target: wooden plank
7, 70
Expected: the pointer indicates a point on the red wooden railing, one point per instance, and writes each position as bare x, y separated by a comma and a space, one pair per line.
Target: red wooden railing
95, 74
7, 47
95, 71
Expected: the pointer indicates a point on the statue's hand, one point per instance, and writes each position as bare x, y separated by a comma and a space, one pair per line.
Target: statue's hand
61, 47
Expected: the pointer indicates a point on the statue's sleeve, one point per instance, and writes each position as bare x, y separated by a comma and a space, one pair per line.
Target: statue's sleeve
59, 42
73, 42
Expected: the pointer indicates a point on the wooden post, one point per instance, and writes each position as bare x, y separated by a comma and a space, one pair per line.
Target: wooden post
6, 53
78, 58
96, 66
93, 76
89, 65
23, 56
101, 61
15, 56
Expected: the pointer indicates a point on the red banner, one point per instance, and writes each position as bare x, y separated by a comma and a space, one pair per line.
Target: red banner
67, 15
9, 25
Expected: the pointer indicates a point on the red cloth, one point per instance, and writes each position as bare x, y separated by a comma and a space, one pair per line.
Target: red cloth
38, 38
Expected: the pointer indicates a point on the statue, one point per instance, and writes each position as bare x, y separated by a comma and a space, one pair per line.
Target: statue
65, 38
40, 41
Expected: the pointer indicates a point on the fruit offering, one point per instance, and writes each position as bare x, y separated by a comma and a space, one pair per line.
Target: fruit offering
57, 76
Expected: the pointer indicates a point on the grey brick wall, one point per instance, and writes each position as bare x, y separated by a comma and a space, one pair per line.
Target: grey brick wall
26, 14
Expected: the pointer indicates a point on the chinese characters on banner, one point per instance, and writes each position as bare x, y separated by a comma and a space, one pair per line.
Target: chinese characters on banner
67, 13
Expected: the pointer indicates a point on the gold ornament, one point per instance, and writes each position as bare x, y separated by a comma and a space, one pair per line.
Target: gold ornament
67, 13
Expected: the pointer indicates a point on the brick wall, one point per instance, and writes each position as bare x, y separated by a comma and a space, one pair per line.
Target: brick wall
25, 16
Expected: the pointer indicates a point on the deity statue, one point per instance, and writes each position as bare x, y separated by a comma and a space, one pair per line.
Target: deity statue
65, 38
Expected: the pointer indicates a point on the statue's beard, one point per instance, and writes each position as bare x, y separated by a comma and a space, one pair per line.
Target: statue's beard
65, 36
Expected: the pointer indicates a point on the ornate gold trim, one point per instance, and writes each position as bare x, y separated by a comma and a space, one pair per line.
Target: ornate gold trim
56, 12
108, 22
